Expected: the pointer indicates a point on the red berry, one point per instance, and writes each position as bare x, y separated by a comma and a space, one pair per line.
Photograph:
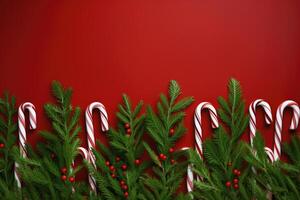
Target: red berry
235, 180
2, 145
235, 171
172, 161
137, 161
161, 156
112, 168
118, 158
236, 186
165, 157
63, 170
238, 173
128, 131
172, 131
127, 125
63, 177
171, 150
52, 155
124, 167
228, 184
113, 175
126, 194
124, 187
71, 179
122, 182
107, 163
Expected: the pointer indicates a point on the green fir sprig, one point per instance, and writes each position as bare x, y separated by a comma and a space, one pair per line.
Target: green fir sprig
8, 128
121, 165
223, 171
165, 128
49, 173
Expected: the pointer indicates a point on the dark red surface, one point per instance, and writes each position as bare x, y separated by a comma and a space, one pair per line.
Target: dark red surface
105, 48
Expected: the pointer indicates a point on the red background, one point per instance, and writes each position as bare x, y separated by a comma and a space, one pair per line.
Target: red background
105, 48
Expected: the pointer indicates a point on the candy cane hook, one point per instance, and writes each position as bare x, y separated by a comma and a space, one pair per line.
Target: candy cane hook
252, 111
270, 154
90, 127
198, 124
198, 135
22, 131
252, 125
279, 122
85, 154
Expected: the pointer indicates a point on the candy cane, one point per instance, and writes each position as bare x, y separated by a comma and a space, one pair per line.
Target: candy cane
252, 126
252, 112
22, 131
190, 176
85, 154
279, 122
90, 127
270, 154
198, 125
198, 135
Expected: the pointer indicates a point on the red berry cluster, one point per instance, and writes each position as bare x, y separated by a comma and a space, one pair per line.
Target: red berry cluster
236, 172
171, 150
128, 129
163, 157
235, 181
111, 168
113, 175
64, 177
124, 188
123, 167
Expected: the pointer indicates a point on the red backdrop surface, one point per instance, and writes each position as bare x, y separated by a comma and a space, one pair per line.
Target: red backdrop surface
105, 48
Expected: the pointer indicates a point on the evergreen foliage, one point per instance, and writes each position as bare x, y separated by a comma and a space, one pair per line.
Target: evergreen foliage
49, 172
292, 150
8, 129
121, 165
139, 161
272, 178
165, 128
224, 153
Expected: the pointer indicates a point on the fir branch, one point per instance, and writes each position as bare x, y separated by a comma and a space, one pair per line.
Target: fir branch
8, 128
169, 119
41, 172
125, 149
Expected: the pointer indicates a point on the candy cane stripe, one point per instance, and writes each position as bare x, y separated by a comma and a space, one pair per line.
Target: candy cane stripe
22, 132
199, 137
91, 134
279, 122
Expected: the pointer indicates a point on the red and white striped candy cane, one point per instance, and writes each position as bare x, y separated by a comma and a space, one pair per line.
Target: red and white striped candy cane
252, 112
190, 176
85, 154
279, 122
252, 126
90, 127
198, 134
198, 125
22, 131
270, 154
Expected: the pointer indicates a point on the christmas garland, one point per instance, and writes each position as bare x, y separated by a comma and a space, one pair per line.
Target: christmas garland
140, 161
